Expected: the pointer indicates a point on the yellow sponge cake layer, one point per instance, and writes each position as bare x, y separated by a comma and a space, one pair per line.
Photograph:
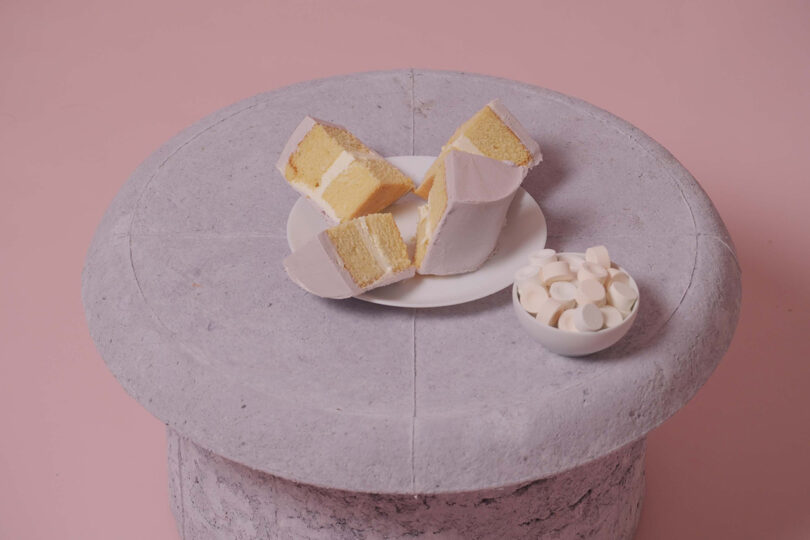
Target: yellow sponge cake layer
371, 249
492, 132
356, 253
493, 139
315, 153
431, 213
340, 174
354, 192
388, 240
365, 186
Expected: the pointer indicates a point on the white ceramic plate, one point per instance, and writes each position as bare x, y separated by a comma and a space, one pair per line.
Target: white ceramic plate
525, 232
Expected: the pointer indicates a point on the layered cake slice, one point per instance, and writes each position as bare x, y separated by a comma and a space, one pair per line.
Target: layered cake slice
459, 226
493, 132
350, 258
342, 176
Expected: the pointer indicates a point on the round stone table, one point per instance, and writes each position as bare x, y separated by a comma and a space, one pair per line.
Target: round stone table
291, 416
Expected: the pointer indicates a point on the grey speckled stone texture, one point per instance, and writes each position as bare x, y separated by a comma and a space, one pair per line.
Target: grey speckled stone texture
188, 303
216, 499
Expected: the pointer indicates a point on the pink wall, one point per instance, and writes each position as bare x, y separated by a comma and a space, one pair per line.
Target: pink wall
89, 88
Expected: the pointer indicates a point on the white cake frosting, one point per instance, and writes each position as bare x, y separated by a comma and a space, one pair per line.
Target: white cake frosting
466, 145
295, 139
316, 267
479, 192
389, 276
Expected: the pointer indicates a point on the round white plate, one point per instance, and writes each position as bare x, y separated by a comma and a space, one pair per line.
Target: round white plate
524, 232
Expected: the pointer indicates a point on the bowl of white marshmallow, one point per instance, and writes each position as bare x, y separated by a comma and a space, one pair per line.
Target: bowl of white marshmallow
575, 303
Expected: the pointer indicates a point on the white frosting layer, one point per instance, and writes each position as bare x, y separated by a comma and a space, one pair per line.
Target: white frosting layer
422, 213
340, 164
316, 267
374, 248
517, 128
479, 192
466, 145
389, 275
292, 143
393, 277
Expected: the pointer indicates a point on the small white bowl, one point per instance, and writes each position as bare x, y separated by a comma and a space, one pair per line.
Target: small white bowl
573, 343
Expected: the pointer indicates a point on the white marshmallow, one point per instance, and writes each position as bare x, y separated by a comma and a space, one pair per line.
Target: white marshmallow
590, 291
574, 261
532, 286
622, 296
542, 257
549, 312
564, 292
566, 321
598, 255
528, 279
588, 318
533, 298
590, 270
613, 317
614, 274
556, 271
526, 273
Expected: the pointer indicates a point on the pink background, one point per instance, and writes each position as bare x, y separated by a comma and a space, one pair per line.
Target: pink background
89, 88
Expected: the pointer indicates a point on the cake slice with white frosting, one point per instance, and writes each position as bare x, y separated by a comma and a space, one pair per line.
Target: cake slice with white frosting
493, 132
459, 226
350, 258
342, 176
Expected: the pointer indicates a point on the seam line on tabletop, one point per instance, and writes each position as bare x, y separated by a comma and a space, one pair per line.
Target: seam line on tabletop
180, 480
725, 244
694, 228
145, 189
415, 311
201, 235
413, 111
413, 417
643, 144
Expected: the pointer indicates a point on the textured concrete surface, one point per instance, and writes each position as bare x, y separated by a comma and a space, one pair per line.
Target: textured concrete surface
214, 498
188, 304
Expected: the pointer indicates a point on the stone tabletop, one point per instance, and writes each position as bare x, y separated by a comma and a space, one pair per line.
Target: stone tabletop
188, 302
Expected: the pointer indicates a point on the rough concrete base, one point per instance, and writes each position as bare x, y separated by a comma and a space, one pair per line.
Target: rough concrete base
214, 498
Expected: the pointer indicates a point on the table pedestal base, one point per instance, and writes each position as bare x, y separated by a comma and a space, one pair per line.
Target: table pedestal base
214, 498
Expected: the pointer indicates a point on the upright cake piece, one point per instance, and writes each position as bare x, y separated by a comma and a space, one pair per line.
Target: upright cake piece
350, 258
336, 171
493, 132
459, 226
